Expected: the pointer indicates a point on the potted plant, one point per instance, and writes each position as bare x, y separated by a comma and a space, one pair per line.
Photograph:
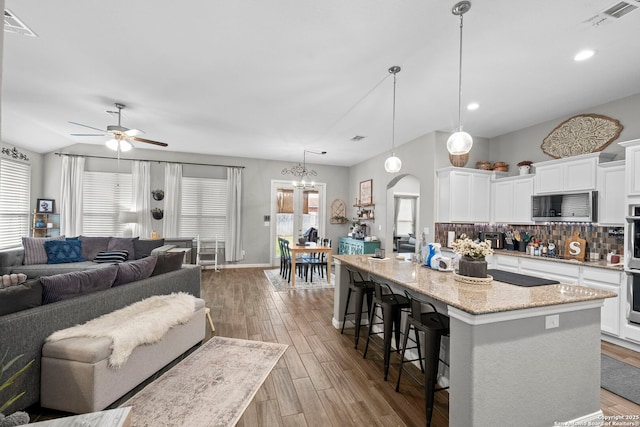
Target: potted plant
525, 167
157, 194
20, 417
339, 219
157, 213
472, 262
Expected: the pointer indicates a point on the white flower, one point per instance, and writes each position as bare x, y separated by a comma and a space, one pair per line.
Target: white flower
467, 247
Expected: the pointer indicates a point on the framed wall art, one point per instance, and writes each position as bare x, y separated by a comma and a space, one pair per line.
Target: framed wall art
46, 206
366, 192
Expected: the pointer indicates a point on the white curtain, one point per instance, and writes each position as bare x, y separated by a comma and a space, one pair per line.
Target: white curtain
172, 196
141, 194
233, 237
71, 195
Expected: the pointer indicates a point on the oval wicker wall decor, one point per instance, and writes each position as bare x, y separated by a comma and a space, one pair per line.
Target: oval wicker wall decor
581, 134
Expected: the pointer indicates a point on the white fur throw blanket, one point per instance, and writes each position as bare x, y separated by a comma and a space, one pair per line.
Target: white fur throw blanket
144, 322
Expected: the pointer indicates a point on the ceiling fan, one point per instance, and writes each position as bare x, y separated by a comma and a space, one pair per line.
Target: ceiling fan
122, 137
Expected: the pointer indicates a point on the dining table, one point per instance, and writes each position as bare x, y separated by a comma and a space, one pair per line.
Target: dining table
309, 248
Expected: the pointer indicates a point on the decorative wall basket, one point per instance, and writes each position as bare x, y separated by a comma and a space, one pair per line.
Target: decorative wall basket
338, 212
582, 134
459, 160
157, 194
157, 213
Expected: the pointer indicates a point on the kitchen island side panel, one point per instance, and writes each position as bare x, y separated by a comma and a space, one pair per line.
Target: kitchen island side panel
516, 372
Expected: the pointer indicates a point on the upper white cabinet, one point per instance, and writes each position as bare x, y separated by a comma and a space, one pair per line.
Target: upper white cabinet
632, 155
511, 199
611, 195
576, 173
464, 195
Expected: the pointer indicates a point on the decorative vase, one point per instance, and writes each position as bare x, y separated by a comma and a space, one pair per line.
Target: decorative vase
157, 195
472, 267
524, 170
40, 223
157, 214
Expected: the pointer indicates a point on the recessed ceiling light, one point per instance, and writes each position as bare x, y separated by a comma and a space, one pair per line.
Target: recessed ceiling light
473, 106
357, 138
584, 54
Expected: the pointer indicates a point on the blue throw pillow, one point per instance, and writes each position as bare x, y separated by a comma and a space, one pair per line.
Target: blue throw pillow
61, 251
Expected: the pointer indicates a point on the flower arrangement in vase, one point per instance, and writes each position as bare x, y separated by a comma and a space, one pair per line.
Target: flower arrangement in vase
472, 263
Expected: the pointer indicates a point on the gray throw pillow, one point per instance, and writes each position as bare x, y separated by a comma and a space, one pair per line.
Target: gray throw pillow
123, 244
92, 245
135, 270
20, 297
143, 248
34, 252
70, 285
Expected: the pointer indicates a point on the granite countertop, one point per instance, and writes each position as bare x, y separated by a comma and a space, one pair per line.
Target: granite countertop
473, 298
587, 263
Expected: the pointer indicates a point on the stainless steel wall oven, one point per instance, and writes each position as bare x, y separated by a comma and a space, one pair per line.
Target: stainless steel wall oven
633, 264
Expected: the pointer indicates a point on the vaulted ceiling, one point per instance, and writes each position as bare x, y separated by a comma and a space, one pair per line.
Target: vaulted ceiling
267, 79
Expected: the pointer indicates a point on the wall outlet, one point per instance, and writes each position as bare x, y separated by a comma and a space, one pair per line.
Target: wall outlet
379, 227
243, 253
552, 321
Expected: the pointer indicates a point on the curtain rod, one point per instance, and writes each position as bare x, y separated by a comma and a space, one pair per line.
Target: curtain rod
145, 160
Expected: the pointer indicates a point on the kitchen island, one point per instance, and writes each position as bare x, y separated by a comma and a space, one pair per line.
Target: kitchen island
525, 356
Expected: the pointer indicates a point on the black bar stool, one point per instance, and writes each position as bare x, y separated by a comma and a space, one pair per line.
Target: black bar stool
361, 288
391, 305
434, 325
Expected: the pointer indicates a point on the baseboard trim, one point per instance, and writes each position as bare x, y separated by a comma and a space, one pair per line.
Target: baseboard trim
220, 266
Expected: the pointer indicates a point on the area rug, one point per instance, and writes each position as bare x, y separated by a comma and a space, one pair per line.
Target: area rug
211, 387
281, 284
620, 378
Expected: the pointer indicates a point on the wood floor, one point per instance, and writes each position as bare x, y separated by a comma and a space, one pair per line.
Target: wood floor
322, 380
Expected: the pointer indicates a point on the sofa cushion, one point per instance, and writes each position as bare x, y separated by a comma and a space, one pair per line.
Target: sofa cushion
20, 297
135, 270
70, 285
59, 252
111, 256
143, 248
92, 245
168, 262
123, 244
34, 252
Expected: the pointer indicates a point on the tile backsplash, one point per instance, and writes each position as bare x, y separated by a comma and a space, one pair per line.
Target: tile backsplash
599, 239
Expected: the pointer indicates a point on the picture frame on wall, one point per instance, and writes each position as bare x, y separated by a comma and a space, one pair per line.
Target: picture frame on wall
46, 206
366, 192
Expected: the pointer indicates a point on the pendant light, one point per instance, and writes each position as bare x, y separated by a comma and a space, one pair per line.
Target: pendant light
393, 164
460, 142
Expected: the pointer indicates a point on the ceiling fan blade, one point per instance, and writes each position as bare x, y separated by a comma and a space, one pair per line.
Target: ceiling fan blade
133, 132
88, 134
148, 141
90, 127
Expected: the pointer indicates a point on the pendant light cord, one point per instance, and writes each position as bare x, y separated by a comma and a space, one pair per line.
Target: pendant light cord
460, 79
393, 118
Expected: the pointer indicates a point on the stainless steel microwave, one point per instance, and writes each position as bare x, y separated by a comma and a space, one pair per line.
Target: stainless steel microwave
575, 207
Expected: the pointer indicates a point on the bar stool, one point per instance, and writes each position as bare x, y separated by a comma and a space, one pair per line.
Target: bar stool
392, 305
361, 288
434, 325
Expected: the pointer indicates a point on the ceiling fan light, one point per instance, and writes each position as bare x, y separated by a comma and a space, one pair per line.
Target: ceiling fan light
393, 164
125, 145
459, 143
112, 144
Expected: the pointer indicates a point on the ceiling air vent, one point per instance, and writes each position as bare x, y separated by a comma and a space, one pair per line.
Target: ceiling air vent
357, 138
620, 9
13, 24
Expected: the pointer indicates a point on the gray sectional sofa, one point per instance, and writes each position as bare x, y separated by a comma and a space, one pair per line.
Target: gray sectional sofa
24, 332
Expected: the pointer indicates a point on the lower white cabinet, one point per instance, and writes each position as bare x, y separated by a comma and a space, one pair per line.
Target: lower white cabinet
562, 272
606, 280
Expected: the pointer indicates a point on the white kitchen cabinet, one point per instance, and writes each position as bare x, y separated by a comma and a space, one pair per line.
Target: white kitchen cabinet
632, 156
464, 194
512, 199
606, 280
560, 271
505, 262
611, 194
578, 173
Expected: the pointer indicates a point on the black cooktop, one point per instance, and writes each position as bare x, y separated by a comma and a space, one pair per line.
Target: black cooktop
519, 279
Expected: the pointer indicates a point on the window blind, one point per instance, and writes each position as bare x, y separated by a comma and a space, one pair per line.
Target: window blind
203, 207
15, 184
105, 195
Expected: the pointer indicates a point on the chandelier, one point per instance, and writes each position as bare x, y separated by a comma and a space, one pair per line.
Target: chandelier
301, 172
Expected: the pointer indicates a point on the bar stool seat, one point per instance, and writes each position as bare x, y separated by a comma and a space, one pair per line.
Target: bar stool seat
434, 325
391, 305
362, 288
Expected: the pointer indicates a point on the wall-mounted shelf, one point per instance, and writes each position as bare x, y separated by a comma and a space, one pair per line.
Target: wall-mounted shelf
365, 212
